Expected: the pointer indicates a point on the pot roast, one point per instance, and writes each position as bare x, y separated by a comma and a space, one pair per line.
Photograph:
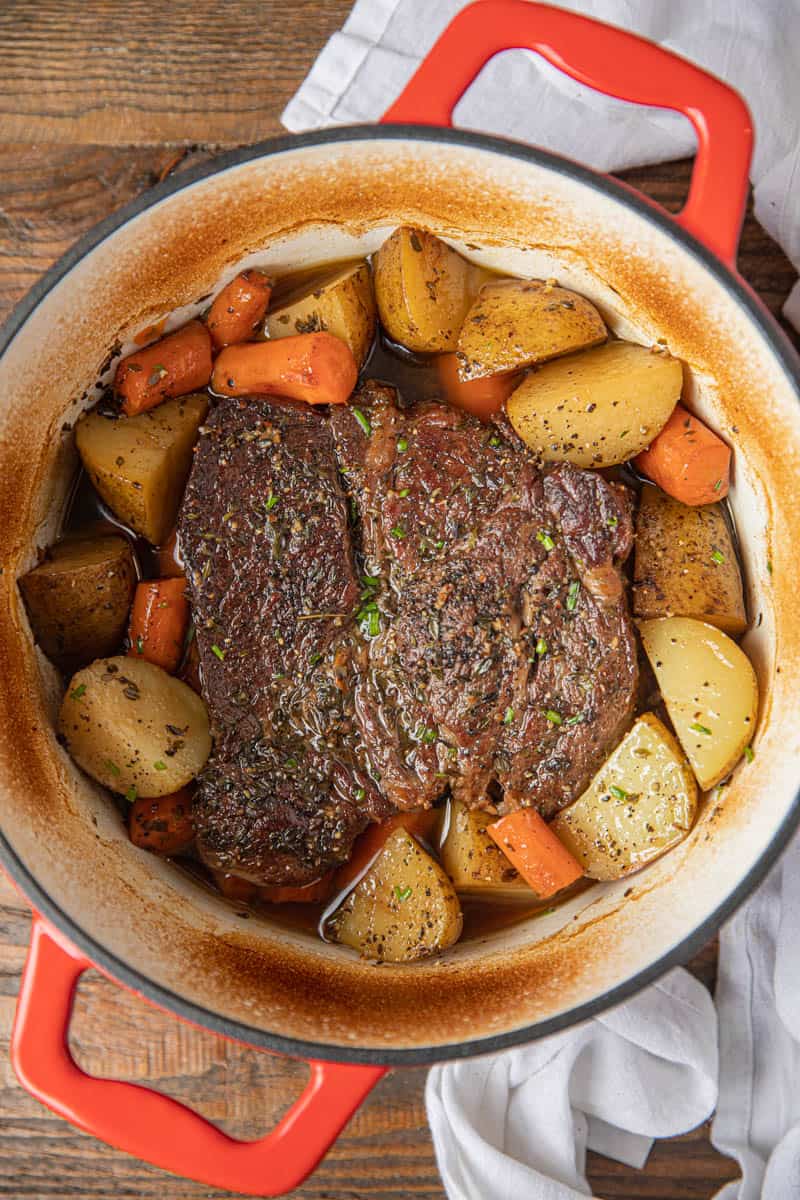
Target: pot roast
392, 604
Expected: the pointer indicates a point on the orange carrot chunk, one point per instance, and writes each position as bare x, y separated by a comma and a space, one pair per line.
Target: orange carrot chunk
239, 308
530, 845
170, 563
481, 397
174, 366
687, 460
312, 893
236, 888
162, 824
159, 620
316, 367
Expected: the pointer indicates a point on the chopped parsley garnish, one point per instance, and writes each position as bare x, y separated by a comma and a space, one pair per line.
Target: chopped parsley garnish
494, 441
612, 522
545, 539
371, 580
219, 653
77, 692
749, 753
140, 645
272, 500
696, 727
402, 893
572, 595
576, 720
360, 794
290, 764
363, 420
508, 717
402, 445
428, 736
769, 566
398, 532
717, 485
374, 624
112, 766
618, 792
402, 494
314, 659
717, 556
541, 647
131, 794
553, 717
160, 766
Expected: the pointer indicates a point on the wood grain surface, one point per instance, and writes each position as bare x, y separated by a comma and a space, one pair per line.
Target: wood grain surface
98, 100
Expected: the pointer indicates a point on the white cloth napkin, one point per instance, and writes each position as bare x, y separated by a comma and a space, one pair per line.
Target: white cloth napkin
519, 1123
753, 43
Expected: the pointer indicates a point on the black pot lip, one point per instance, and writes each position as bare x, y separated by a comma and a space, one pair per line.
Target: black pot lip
196, 1014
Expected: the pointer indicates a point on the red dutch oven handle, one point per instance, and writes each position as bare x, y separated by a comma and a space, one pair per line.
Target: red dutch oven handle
608, 60
146, 1123
152, 1126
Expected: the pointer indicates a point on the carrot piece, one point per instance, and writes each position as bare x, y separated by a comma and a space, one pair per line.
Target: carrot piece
239, 308
312, 893
316, 367
175, 365
150, 332
531, 846
170, 563
162, 824
236, 888
687, 460
369, 845
159, 620
481, 397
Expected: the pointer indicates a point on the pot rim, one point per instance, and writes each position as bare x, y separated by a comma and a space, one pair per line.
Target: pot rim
118, 969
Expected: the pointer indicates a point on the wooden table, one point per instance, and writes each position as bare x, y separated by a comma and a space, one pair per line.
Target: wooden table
97, 102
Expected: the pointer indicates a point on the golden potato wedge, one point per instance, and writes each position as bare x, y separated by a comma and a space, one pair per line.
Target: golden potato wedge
596, 408
342, 302
134, 728
424, 290
641, 802
686, 563
515, 323
476, 864
79, 598
710, 690
139, 465
404, 908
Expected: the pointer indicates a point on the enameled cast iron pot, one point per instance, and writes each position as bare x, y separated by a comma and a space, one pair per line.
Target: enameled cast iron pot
301, 200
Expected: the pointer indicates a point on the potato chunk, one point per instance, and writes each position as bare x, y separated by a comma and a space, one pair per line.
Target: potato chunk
78, 599
134, 728
343, 303
139, 465
641, 802
686, 563
596, 408
476, 864
404, 908
710, 690
424, 290
517, 322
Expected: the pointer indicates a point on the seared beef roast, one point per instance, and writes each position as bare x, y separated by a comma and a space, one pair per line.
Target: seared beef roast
265, 537
392, 603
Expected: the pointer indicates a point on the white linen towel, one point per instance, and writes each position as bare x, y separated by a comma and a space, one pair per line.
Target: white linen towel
519, 1123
